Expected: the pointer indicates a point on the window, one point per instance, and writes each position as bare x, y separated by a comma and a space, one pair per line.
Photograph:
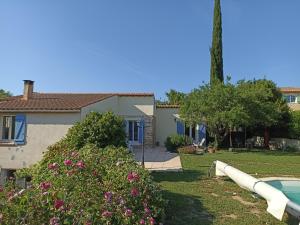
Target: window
8, 128
290, 98
133, 130
12, 129
190, 131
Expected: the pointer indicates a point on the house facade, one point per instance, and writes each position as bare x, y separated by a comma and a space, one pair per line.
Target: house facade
29, 123
292, 96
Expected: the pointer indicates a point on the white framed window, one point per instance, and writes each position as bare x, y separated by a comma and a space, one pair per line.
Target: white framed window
7, 126
133, 131
290, 98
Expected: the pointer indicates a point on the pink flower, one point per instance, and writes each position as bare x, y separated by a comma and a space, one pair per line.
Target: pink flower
53, 166
135, 192
142, 221
152, 221
128, 212
133, 176
54, 221
58, 203
45, 186
108, 196
1, 189
106, 213
147, 211
68, 162
88, 223
80, 164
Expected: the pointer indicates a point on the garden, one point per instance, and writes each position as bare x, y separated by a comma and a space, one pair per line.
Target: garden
88, 177
194, 198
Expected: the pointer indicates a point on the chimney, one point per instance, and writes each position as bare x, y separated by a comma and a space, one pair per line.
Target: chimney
28, 89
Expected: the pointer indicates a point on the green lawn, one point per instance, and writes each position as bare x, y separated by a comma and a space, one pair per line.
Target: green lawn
195, 199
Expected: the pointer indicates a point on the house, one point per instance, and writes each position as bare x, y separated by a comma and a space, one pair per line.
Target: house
292, 96
31, 122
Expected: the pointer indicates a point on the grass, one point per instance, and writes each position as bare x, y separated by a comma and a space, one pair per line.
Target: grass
194, 199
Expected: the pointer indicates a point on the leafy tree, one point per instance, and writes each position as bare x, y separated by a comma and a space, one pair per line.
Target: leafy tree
98, 129
175, 97
295, 125
218, 106
216, 68
264, 104
252, 104
4, 94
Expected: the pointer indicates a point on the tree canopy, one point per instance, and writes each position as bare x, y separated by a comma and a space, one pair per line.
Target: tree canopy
224, 106
173, 98
4, 94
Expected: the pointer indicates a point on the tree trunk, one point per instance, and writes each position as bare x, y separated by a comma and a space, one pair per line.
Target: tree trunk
266, 137
245, 137
230, 138
216, 144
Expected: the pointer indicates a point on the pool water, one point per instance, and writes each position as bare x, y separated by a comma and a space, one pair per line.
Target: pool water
291, 188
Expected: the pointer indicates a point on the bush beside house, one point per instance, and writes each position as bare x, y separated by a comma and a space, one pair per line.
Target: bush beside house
175, 141
88, 185
100, 129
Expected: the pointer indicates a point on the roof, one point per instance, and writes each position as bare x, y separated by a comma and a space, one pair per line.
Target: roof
290, 89
43, 102
167, 106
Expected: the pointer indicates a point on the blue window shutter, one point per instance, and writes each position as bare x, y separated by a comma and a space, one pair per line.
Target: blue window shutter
125, 126
180, 127
141, 132
20, 128
202, 132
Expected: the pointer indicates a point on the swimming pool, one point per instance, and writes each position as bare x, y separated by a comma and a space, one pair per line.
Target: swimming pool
291, 188
282, 194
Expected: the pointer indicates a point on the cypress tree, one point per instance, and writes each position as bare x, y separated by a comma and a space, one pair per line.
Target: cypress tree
216, 67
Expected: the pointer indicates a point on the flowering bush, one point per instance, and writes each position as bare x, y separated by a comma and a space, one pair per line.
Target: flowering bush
85, 186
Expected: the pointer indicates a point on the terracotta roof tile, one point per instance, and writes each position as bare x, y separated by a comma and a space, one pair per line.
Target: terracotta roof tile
290, 89
58, 101
167, 106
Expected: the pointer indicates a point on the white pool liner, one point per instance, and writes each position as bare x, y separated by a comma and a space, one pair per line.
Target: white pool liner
276, 200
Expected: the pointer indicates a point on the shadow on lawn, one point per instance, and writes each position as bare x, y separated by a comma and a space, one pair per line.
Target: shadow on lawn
267, 152
185, 210
184, 176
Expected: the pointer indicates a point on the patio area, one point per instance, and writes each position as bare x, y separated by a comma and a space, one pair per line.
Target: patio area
159, 159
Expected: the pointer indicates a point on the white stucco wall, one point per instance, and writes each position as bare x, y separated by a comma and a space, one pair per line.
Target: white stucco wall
165, 123
109, 104
127, 106
42, 130
136, 106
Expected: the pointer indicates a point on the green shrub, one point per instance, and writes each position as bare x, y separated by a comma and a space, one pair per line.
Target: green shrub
175, 141
98, 129
291, 149
295, 125
190, 149
85, 186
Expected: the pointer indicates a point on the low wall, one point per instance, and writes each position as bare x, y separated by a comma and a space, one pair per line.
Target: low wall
285, 142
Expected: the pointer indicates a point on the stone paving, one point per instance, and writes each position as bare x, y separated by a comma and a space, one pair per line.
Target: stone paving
159, 159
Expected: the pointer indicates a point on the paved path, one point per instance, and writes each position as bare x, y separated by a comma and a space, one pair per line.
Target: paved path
158, 159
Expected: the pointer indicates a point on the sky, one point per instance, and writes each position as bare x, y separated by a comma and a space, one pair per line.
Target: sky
144, 45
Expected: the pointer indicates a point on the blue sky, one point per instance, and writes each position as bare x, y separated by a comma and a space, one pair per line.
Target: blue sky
143, 45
